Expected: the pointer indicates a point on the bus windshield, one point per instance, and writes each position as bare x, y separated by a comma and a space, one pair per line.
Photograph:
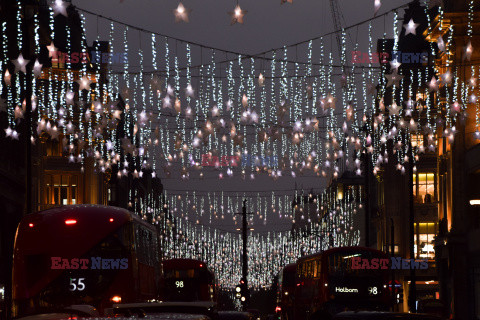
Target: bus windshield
288, 279
195, 284
340, 263
76, 285
199, 274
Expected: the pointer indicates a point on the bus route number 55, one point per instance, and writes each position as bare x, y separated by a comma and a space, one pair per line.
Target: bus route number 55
77, 284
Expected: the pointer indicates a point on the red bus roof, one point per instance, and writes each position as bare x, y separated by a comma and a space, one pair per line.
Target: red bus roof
340, 249
74, 228
183, 263
292, 267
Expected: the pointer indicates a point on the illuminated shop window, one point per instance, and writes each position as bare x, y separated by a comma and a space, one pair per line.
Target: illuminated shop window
417, 140
61, 189
424, 187
424, 240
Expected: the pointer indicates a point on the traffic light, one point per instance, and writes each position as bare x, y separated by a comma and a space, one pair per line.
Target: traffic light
238, 292
241, 292
400, 295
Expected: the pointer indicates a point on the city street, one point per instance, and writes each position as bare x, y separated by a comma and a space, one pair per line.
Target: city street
208, 160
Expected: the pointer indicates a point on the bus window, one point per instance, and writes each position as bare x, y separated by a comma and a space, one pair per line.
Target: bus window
312, 269
341, 262
315, 265
288, 279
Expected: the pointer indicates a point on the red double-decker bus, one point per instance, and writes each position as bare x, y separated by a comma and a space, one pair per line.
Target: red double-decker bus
327, 283
286, 291
187, 280
83, 254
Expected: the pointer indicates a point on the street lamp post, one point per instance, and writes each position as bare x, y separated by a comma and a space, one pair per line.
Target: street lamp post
244, 214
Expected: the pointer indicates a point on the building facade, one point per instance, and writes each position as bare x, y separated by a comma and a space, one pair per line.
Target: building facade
59, 167
458, 243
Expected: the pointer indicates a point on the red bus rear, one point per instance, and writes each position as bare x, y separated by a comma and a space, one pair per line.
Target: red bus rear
286, 290
83, 254
187, 280
327, 284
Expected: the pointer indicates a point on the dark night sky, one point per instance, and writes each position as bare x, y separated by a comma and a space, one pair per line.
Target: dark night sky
267, 24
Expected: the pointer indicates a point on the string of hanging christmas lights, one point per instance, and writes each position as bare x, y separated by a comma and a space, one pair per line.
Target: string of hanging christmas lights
329, 221
296, 136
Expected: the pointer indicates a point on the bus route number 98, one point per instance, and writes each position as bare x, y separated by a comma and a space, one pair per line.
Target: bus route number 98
179, 284
372, 291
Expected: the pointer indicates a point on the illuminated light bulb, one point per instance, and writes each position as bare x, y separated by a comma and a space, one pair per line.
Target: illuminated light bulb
395, 64
411, 27
468, 50
441, 44
261, 80
70, 95
446, 77
20, 64
244, 100
167, 103
472, 98
473, 82
181, 13
84, 83
181, 8
456, 107
51, 50
237, 15
37, 69
215, 111
59, 7
7, 78
377, 6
